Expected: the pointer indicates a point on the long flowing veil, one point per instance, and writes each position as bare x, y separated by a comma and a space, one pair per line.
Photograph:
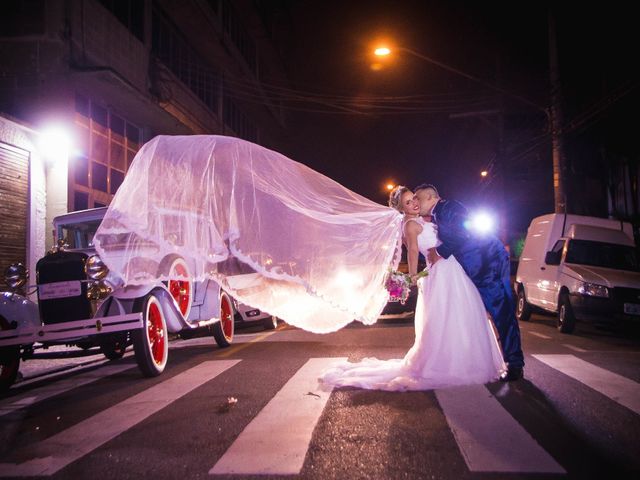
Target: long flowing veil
272, 232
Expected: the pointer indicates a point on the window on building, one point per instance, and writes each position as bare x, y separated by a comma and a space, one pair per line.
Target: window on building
170, 47
238, 121
107, 144
130, 13
233, 27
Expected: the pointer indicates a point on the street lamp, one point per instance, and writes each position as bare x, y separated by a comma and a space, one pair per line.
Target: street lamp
381, 51
484, 173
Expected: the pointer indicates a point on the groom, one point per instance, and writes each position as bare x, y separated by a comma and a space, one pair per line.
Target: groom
485, 260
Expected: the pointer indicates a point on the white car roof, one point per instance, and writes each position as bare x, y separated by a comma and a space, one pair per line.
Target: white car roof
80, 216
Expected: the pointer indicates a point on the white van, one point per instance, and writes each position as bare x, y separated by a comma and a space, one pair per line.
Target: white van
579, 267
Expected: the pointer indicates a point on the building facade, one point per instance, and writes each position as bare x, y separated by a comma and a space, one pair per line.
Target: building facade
112, 74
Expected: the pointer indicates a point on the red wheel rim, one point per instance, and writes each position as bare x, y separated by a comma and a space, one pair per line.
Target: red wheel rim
156, 333
226, 318
181, 289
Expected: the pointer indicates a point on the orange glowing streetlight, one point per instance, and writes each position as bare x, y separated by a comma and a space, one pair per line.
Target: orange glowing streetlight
390, 186
382, 51
484, 173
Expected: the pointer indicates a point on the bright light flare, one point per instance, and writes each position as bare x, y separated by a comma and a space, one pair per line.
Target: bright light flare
481, 223
382, 51
347, 280
484, 173
55, 144
390, 186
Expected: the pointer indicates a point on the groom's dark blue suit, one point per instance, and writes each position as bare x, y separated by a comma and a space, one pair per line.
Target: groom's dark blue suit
486, 261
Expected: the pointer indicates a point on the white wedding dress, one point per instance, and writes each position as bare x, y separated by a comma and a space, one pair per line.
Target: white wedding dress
454, 344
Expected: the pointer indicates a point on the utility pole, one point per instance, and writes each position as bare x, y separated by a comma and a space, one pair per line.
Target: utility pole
555, 121
500, 160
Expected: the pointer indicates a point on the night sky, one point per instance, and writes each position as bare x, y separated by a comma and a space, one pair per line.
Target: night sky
443, 140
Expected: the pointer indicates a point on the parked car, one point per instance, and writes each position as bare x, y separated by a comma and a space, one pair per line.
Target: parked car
81, 304
249, 316
580, 268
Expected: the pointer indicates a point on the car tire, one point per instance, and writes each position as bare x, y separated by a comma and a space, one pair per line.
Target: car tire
523, 309
151, 342
114, 348
270, 323
189, 333
9, 361
224, 330
566, 319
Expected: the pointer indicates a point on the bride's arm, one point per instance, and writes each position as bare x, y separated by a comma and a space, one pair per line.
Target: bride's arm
411, 232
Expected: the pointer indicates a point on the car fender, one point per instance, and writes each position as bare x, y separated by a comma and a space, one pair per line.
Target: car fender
125, 296
175, 321
210, 308
569, 282
19, 309
135, 291
113, 305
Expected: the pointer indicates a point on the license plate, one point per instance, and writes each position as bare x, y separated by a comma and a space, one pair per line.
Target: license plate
632, 308
48, 291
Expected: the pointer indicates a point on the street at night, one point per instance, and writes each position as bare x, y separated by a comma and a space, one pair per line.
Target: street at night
575, 413
364, 239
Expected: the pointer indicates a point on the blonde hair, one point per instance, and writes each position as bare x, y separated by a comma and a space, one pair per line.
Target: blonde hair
395, 197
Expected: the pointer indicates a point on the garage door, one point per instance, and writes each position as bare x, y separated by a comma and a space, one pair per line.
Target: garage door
14, 194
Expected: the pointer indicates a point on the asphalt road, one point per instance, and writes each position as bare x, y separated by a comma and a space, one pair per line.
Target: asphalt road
255, 410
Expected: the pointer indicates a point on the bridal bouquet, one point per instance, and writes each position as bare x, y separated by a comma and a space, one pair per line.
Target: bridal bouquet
398, 285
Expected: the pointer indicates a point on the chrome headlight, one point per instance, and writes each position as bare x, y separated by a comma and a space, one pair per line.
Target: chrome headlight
95, 268
594, 290
16, 276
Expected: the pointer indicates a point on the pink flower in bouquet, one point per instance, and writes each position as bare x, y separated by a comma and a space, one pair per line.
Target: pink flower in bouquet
398, 285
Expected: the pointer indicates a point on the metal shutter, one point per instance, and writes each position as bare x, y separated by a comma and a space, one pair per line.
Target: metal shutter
14, 200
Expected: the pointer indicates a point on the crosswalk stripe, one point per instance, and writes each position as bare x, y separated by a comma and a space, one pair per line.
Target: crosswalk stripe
26, 399
277, 439
489, 438
620, 389
540, 335
54, 453
573, 347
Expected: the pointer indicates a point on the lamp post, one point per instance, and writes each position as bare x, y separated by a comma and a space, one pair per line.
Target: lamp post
553, 114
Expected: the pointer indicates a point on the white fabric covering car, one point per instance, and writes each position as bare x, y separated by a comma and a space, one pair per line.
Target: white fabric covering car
274, 233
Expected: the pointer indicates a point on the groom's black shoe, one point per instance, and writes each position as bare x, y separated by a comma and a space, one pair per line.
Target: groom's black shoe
514, 373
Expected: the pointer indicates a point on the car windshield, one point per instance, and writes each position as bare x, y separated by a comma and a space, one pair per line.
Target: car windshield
78, 235
600, 254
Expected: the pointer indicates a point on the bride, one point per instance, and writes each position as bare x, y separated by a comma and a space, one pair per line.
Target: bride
454, 343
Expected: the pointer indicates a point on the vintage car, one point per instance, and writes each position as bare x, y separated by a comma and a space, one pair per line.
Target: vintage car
82, 304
